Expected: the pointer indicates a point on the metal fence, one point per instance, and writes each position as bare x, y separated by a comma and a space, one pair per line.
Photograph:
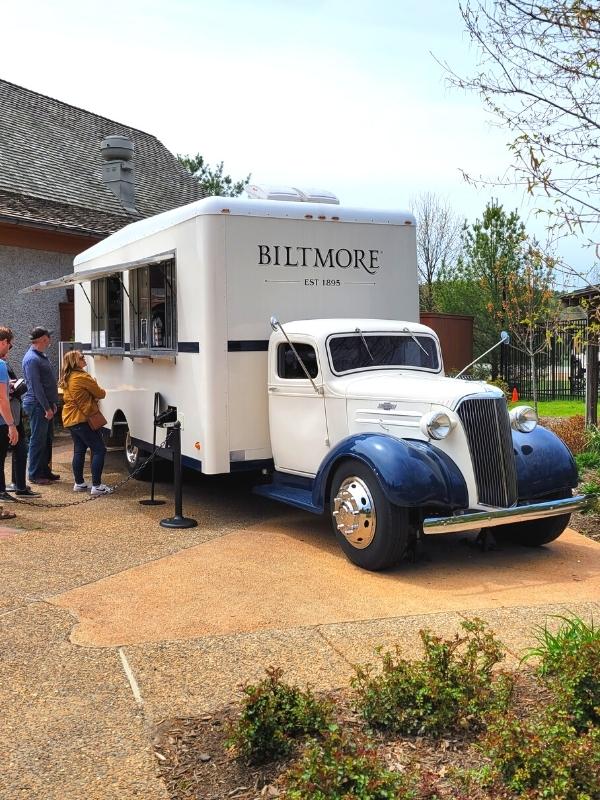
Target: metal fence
560, 368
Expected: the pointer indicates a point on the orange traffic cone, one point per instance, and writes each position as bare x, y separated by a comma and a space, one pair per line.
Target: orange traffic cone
515, 395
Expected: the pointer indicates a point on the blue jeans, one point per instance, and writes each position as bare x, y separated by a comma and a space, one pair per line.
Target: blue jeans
84, 437
40, 441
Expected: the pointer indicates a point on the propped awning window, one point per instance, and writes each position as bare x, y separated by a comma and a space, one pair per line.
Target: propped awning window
93, 274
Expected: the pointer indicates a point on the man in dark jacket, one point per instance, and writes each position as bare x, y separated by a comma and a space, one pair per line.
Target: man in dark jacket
40, 404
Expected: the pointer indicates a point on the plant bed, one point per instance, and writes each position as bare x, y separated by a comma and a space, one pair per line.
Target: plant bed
540, 741
196, 764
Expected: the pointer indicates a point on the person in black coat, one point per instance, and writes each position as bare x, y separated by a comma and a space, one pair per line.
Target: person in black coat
19, 451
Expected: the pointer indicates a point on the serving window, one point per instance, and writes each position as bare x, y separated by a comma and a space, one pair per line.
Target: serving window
107, 313
152, 310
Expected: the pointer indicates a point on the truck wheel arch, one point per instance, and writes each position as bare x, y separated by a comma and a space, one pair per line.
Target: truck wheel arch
411, 473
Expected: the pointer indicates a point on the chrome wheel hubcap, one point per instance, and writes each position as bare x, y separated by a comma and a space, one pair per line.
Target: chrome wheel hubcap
354, 512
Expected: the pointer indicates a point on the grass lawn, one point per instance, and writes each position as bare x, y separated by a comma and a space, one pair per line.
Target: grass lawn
555, 408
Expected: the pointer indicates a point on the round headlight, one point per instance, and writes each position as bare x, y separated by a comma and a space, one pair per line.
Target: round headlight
523, 418
437, 425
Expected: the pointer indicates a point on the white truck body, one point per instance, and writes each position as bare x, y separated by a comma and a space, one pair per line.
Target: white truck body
344, 402
225, 298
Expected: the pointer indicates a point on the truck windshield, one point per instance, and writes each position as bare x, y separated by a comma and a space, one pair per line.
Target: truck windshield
359, 351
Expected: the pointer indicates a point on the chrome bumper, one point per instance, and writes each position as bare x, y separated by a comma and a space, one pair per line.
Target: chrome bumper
473, 520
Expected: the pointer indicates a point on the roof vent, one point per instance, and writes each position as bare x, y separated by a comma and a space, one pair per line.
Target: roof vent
256, 192
117, 169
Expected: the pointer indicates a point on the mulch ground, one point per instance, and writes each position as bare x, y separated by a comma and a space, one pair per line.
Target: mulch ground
195, 763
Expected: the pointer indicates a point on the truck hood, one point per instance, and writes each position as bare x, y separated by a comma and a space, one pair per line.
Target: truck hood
408, 387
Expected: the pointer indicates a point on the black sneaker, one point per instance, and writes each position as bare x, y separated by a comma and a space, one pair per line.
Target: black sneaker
52, 476
28, 492
6, 497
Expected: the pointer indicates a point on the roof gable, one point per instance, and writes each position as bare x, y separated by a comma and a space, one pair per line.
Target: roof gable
50, 151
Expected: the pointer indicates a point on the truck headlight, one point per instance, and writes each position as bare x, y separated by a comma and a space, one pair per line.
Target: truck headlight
523, 418
437, 424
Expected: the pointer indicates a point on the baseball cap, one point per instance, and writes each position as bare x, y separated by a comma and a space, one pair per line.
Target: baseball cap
38, 332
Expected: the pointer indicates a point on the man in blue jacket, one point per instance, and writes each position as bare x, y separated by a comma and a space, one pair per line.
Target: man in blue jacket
40, 403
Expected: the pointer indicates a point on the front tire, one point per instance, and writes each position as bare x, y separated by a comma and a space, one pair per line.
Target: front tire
534, 533
372, 532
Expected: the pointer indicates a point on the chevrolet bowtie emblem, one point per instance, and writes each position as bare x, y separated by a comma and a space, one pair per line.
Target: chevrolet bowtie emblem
387, 406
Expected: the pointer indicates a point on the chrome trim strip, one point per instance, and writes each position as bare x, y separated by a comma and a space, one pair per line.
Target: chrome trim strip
504, 516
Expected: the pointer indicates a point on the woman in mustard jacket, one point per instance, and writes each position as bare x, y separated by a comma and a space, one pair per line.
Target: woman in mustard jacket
81, 394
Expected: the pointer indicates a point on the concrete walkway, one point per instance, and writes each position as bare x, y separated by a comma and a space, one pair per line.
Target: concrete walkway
110, 623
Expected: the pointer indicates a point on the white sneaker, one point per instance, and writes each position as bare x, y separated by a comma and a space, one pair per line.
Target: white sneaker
80, 487
101, 489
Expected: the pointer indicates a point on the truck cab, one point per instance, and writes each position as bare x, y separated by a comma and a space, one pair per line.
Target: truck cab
365, 425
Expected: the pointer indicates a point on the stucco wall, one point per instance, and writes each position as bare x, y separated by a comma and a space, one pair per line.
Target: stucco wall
20, 267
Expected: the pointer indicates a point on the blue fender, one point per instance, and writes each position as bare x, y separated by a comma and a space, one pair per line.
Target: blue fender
544, 464
411, 473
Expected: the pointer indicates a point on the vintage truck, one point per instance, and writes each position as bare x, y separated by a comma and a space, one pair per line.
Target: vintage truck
285, 336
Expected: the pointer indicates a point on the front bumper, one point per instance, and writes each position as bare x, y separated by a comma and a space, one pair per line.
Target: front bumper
473, 520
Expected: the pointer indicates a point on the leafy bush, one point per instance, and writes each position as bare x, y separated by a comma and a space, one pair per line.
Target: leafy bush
592, 489
341, 768
451, 687
569, 663
587, 460
593, 440
500, 384
273, 715
481, 371
572, 431
543, 757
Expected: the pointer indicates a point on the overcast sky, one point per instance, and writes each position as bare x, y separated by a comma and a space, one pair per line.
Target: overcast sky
344, 95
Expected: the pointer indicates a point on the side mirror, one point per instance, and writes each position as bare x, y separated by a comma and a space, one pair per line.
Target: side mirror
504, 337
274, 323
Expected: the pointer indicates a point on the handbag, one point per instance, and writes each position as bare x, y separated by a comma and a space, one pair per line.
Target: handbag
97, 420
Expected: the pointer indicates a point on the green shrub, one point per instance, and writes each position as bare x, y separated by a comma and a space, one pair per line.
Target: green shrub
503, 385
587, 460
481, 372
273, 715
593, 440
543, 757
591, 488
569, 663
452, 687
342, 768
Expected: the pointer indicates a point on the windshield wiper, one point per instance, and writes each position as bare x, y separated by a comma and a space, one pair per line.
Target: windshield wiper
364, 341
415, 340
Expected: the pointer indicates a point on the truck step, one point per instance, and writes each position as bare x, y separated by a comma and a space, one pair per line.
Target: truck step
292, 495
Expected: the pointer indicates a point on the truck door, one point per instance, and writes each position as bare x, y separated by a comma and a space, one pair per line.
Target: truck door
297, 420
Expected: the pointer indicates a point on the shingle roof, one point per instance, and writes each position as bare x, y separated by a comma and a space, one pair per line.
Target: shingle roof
51, 167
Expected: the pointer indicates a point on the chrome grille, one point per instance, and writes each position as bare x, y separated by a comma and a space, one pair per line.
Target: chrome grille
487, 426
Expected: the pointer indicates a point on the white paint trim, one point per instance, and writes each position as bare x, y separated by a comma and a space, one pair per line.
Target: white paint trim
135, 689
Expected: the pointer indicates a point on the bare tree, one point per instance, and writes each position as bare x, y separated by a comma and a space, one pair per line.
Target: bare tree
438, 241
539, 75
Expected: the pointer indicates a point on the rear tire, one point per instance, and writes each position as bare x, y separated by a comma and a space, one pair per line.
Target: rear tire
134, 456
373, 533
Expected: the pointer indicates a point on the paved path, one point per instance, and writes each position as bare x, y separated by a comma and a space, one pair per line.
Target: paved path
110, 623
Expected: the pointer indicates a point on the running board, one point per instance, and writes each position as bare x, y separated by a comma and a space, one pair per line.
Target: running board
473, 520
292, 495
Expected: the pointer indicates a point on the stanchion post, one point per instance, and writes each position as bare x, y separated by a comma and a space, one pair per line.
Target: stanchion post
152, 501
178, 521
